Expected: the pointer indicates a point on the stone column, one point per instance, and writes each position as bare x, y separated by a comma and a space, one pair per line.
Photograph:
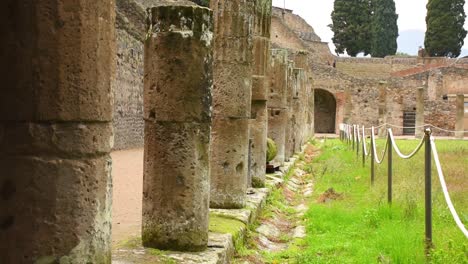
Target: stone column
311, 112
259, 122
419, 112
232, 95
382, 108
56, 69
460, 125
277, 120
299, 108
290, 94
177, 102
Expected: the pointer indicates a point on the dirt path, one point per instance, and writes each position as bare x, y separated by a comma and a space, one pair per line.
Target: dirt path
127, 193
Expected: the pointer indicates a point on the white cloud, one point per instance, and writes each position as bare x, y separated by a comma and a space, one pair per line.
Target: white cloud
412, 14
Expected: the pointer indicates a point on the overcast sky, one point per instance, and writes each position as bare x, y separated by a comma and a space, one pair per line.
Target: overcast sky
412, 15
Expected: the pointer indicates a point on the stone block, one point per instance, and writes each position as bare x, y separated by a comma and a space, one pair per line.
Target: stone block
65, 72
232, 93
178, 65
259, 88
277, 120
229, 163
48, 201
60, 139
261, 53
176, 186
258, 135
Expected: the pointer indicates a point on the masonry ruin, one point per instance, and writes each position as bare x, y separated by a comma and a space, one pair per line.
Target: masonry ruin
200, 89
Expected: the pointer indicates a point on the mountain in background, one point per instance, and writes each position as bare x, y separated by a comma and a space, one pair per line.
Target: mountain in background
409, 42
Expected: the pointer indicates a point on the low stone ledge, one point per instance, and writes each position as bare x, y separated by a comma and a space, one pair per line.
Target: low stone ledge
228, 229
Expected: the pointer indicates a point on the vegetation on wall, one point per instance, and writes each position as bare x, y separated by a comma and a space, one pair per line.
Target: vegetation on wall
445, 33
365, 26
384, 28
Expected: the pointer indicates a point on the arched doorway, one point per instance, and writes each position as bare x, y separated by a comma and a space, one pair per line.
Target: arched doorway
325, 111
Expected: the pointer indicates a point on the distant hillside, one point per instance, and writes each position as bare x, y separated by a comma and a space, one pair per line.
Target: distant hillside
410, 40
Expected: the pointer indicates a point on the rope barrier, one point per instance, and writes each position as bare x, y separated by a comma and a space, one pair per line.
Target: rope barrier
364, 142
397, 149
427, 140
445, 190
422, 126
379, 161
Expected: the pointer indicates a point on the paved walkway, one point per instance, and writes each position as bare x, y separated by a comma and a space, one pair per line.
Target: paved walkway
128, 193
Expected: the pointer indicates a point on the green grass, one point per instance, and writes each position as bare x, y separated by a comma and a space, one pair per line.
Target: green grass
363, 228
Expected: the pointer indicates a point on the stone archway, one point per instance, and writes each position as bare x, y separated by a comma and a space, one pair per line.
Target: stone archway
325, 111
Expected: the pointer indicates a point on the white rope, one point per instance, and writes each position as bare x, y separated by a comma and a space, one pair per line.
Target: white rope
364, 143
445, 130
445, 190
354, 133
422, 126
376, 157
397, 150
358, 134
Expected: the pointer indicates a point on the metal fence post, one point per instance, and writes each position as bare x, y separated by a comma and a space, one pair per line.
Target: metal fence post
428, 188
389, 171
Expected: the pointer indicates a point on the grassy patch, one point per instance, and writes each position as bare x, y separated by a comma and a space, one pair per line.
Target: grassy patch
362, 228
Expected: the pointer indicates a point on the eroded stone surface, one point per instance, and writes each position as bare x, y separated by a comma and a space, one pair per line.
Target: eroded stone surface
178, 85
232, 96
55, 117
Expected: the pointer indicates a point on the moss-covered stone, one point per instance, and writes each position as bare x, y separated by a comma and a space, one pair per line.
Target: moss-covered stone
226, 225
272, 150
258, 182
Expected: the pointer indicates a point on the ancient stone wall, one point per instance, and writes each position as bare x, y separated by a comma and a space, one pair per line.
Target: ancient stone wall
128, 89
354, 83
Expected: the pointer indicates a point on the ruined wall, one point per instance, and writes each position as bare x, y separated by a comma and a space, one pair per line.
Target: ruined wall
128, 89
282, 36
354, 83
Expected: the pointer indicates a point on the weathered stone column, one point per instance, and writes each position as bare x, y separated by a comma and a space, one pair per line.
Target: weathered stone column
232, 95
259, 122
311, 109
290, 94
382, 108
56, 69
419, 112
299, 108
177, 102
460, 121
277, 120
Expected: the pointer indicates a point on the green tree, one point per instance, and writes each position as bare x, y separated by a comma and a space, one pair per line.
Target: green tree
205, 3
445, 33
384, 28
351, 26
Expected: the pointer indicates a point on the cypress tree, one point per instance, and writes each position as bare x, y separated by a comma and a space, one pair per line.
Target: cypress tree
205, 3
384, 28
351, 26
445, 33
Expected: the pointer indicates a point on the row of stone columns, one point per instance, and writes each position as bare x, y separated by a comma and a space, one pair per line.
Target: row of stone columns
187, 166
290, 104
205, 99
